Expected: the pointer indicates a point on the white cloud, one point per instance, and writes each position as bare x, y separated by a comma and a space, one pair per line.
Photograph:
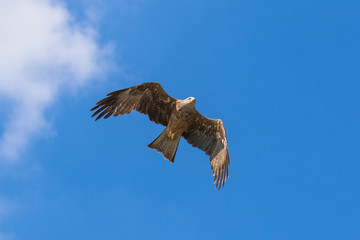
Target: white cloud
43, 52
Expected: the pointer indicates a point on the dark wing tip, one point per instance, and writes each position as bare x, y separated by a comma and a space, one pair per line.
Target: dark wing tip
148, 98
117, 92
94, 108
220, 177
219, 180
101, 110
221, 173
107, 105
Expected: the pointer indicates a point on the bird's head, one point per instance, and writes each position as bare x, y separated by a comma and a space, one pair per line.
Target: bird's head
188, 103
191, 100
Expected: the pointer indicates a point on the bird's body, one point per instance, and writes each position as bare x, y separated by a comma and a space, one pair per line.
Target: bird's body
180, 118
179, 123
182, 114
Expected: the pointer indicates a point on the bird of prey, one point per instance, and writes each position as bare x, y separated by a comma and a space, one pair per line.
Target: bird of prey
180, 118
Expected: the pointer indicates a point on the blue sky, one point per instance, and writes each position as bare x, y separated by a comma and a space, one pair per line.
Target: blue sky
282, 75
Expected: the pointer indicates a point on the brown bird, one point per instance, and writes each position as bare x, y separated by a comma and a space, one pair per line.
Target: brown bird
180, 118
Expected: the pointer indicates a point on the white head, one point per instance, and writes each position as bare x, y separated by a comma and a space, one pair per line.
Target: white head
190, 100
186, 103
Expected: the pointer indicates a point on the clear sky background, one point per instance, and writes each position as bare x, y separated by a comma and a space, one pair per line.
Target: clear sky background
282, 75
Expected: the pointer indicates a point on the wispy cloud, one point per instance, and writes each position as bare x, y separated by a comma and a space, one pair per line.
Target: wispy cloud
43, 51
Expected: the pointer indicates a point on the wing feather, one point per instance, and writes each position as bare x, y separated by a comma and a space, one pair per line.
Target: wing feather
147, 98
209, 135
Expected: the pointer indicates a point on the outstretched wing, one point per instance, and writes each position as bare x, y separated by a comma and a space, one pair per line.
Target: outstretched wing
209, 135
148, 98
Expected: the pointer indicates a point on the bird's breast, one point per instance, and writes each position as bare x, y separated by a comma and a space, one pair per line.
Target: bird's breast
177, 125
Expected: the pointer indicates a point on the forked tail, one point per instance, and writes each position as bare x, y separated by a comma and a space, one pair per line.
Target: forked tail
166, 145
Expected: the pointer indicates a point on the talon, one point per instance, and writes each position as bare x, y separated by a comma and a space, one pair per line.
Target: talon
171, 135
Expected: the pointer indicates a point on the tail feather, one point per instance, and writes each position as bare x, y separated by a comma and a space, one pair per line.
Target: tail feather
166, 145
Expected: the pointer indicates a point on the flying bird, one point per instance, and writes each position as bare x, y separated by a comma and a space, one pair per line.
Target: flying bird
180, 118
